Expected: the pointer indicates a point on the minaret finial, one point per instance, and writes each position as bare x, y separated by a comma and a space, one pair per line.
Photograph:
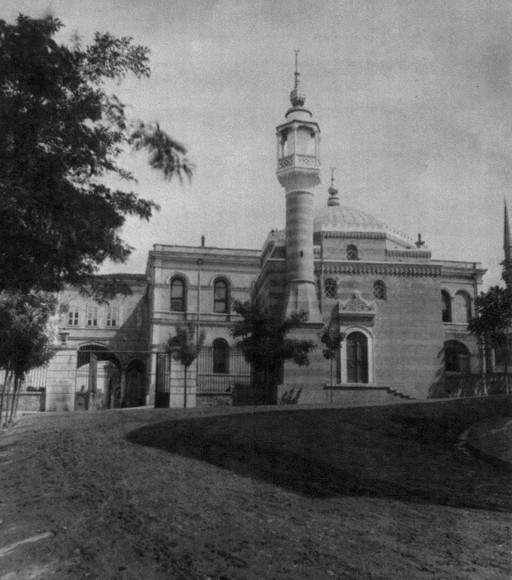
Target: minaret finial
333, 192
297, 97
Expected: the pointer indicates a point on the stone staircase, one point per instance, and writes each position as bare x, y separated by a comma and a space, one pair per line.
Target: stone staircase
346, 394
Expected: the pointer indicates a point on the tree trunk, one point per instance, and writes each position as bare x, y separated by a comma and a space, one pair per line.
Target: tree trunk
7, 402
5, 390
15, 397
185, 390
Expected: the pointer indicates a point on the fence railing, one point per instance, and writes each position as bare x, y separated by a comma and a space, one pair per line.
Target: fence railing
472, 385
213, 374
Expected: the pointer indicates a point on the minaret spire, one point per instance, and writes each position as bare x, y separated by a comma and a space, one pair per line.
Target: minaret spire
507, 250
297, 97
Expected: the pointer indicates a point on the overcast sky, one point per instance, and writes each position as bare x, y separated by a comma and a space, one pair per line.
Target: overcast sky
413, 98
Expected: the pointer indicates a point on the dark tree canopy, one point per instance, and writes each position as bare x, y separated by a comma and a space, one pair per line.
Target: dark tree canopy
25, 340
493, 313
60, 135
262, 337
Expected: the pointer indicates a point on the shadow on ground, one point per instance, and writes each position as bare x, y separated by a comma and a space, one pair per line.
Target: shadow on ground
407, 453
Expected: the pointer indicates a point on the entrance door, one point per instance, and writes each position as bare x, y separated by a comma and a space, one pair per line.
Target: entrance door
357, 358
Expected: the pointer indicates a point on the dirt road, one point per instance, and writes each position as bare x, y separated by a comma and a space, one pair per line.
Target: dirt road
151, 494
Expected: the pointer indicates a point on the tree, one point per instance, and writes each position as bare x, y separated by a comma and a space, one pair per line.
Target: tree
493, 318
25, 341
332, 338
185, 347
262, 338
61, 135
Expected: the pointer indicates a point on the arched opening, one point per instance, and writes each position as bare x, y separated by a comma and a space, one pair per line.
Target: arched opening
135, 384
221, 296
446, 305
220, 356
178, 294
456, 357
462, 307
98, 378
357, 358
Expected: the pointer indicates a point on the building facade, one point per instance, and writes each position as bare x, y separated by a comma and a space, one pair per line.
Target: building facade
402, 315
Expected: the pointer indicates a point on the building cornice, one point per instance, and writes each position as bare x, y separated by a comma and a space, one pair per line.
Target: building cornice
378, 269
355, 234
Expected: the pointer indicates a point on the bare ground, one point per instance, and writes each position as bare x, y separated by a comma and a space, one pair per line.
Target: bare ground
375, 493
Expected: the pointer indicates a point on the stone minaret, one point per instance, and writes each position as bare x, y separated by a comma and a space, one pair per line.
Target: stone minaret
507, 249
298, 171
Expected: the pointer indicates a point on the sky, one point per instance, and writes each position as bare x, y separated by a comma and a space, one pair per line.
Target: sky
413, 99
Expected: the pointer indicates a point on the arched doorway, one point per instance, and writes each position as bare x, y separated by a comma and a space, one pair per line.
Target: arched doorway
357, 358
98, 375
456, 357
135, 384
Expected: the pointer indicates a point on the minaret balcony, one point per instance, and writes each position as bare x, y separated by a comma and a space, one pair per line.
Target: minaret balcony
301, 161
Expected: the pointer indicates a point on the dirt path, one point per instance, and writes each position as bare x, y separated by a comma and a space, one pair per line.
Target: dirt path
132, 494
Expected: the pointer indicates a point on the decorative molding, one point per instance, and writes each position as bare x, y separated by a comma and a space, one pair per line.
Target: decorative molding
381, 269
356, 303
409, 253
355, 235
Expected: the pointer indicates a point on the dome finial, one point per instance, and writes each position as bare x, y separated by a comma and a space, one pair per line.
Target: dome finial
333, 192
297, 97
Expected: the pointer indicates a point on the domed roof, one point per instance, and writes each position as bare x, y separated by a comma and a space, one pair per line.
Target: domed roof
342, 218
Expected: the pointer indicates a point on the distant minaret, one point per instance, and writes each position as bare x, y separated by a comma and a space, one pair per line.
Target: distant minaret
298, 171
333, 192
507, 250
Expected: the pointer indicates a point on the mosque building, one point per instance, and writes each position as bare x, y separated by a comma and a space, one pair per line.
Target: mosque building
402, 315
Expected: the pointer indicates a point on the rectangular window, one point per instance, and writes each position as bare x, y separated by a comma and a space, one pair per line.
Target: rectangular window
112, 316
73, 316
92, 315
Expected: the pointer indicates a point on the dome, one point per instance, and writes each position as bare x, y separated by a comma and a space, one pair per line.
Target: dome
343, 218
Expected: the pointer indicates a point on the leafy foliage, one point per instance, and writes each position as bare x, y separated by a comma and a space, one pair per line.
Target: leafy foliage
493, 313
60, 135
332, 338
25, 338
183, 345
262, 337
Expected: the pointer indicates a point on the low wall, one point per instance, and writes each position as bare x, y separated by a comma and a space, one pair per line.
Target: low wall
30, 402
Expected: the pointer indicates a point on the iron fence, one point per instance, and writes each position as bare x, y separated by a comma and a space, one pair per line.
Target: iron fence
472, 385
211, 374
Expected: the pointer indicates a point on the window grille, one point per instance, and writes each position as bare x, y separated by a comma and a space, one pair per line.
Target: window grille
352, 253
330, 288
379, 290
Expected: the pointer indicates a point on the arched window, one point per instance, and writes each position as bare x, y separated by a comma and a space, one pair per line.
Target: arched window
221, 296
446, 302
456, 357
357, 358
220, 356
462, 307
178, 295
352, 253
379, 290
330, 288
